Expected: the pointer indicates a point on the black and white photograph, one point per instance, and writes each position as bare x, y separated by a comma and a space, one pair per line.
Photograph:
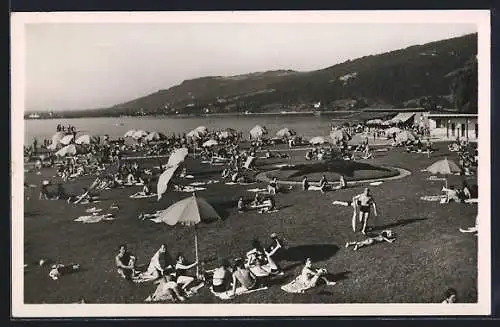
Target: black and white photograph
251, 163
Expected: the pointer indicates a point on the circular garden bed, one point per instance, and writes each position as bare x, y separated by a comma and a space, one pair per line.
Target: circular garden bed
351, 170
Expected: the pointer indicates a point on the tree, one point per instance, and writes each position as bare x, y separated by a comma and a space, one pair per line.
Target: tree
464, 87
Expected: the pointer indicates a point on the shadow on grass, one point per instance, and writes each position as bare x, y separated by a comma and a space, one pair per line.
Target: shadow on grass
317, 252
399, 222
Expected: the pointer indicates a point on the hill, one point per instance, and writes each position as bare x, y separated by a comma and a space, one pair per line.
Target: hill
433, 75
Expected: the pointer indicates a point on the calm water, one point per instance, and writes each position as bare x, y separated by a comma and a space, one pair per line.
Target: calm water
308, 126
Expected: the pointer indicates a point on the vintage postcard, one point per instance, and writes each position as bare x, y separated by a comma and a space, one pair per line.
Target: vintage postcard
316, 163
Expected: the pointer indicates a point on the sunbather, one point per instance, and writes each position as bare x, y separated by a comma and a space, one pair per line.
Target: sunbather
385, 236
243, 276
450, 296
323, 184
451, 194
310, 275
272, 188
167, 287
160, 264
221, 279
270, 205
125, 263
181, 271
260, 261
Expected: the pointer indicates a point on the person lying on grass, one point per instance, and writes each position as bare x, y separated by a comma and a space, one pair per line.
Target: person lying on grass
125, 262
310, 276
181, 271
82, 198
274, 249
261, 262
385, 236
145, 192
472, 229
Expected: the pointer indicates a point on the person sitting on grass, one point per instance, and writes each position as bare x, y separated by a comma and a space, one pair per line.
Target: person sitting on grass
270, 205
323, 184
243, 276
385, 236
310, 275
342, 184
221, 279
305, 184
450, 296
160, 263
167, 285
241, 205
181, 268
145, 192
83, 198
451, 194
125, 263
274, 249
256, 201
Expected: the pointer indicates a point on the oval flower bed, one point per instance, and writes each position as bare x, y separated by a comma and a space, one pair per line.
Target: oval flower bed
352, 171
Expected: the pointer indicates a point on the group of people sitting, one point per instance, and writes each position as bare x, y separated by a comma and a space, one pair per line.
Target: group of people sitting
460, 194
263, 205
323, 184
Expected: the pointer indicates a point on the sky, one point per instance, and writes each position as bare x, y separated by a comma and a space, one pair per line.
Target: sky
94, 65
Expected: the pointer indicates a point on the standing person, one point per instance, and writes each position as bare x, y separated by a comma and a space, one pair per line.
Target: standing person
365, 201
273, 186
125, 262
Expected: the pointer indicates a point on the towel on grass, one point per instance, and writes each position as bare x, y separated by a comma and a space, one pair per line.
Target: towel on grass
376, 183
94, 218
142, 196
234, 183
191, 189
256, 190
314, 188
433, 198
297, 286
239, 291
197, 183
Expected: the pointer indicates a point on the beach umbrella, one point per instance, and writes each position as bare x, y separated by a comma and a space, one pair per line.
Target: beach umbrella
130, 133
209, 143
285, 132
195, 134
189, 212
56, 138
84, 139
317, 140
164, 179
177, 156
66, 139
258, 131
340, 135
444, 167
139, 134
201, 129
375, 122
393, 130
153, 136
69, 149
396, 121
405, 136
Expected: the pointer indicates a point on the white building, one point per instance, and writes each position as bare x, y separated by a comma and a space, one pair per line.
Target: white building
453, 125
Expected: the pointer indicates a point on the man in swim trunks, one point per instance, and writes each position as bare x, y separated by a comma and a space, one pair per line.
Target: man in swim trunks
365, 201
125, 263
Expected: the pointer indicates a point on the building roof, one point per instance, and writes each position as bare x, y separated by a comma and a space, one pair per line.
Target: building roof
451, 115
403, 116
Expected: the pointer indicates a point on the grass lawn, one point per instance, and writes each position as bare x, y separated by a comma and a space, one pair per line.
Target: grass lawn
429, 255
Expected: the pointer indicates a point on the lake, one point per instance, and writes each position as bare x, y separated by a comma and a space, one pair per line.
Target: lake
307, 126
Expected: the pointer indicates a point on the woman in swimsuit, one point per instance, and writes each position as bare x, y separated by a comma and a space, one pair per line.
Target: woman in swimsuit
222, 277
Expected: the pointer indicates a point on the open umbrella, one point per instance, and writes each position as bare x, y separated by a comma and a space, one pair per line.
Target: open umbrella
69, 149
340, 135
210, 143
56, 138
396, 121
258, 131
84, 139
140, 134
444, 167
164, 179
189, 212
66, 139
285, 132
130, 133
405, 136
375, 122
177, 156
317, 140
